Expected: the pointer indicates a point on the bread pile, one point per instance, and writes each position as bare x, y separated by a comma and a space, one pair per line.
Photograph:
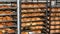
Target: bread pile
6, 18
6, 12
31, 18
55, 20
32, 5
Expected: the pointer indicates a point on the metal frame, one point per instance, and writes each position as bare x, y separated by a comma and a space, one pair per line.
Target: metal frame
18, 17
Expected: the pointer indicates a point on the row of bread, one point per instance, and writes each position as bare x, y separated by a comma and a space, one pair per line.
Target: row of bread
38, 10
8, 30
55, 22
7, 6
32, 10
34, 27
33, 32
54, 31
31, 23
4, 18
55, 27
55, 14
5, 24
31, 19
55, 18
6, 12
39, 14
33, 14
33, 5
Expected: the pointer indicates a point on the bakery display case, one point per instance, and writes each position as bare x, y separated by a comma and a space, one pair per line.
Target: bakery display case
8, 17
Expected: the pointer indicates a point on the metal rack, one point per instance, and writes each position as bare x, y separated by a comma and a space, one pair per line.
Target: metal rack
45, 29
16, 13
54, 27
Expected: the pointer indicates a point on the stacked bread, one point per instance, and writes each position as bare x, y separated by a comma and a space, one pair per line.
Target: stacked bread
55, 20
31, 18
32, 5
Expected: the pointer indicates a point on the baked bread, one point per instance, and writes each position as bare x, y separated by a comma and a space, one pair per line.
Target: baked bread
52, 27
9, 23
10, 30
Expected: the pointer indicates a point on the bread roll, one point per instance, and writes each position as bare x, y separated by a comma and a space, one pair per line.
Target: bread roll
26, 19
24, 32
23, 5
57, 22
57, 27
23, 24
24, 11
1, 25
52, 31
39, 9
33, 23
10, 30
8, 18
32, 28
57, 31
29, 5
4, 18
8, 12
53, 22
52, 27
54, 9
42, 5
9, 24
35, 5
30, 10
28, 24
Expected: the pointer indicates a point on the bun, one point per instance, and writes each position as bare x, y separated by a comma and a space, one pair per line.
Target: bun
52, 27
10, 30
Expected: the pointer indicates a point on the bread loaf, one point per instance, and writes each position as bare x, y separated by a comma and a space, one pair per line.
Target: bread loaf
53, 22
52, 27
23, 24
52, 31
10, 30
35, 5
9, 24
24, 32
29, 5
57, 31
